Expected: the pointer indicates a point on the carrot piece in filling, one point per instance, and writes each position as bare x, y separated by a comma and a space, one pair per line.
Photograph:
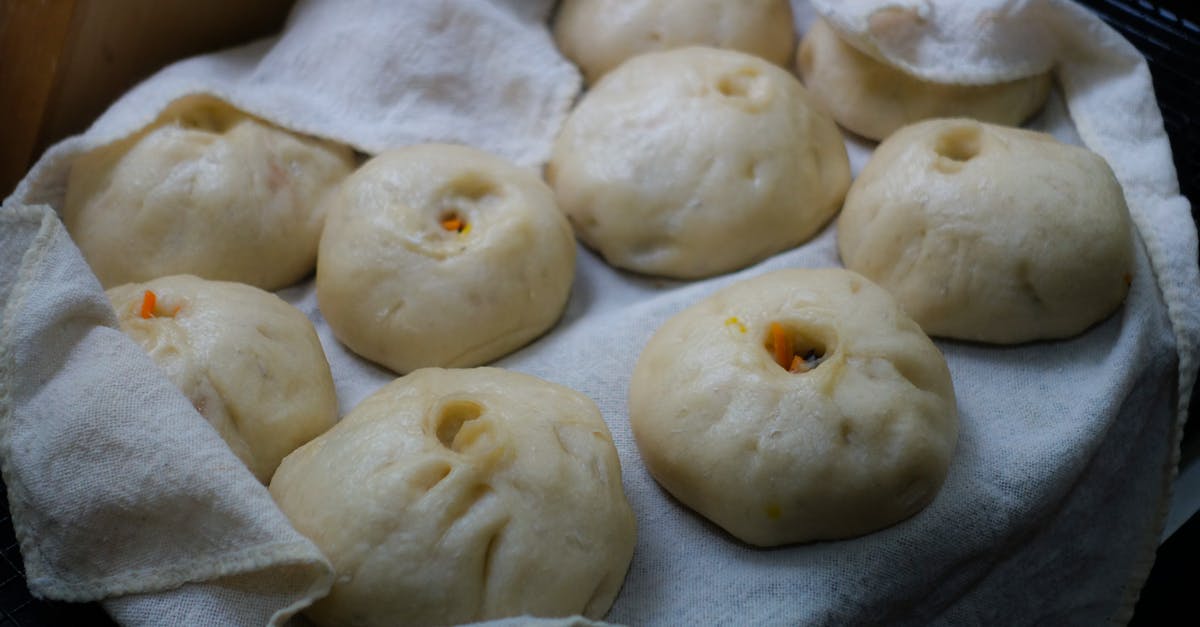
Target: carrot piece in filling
781, 346
452, 223
148, 301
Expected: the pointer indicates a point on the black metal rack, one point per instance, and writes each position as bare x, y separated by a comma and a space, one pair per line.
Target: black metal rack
1168, 34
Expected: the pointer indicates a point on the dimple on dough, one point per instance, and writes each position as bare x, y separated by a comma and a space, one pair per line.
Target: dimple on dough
205, 190
452, 496
873, 99
990, 233
441, 255
249, 362
598, 35
697, 161
854, 435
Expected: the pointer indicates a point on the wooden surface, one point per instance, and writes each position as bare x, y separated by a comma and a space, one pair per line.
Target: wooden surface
31, 38
62, 62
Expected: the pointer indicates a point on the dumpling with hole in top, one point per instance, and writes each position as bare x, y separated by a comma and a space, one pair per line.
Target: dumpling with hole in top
453, 496
442, 255
249, 362
990, 233
206, 190
696, 162
796, 406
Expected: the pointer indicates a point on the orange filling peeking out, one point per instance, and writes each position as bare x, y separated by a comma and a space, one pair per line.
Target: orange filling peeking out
148, 301
150, 308
452, 222
784, 350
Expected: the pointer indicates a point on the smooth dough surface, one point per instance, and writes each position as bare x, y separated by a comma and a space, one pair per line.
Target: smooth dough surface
858, 442
873, 99
205, 190
990, 233
598, 35
452, 496
400, 288
249, 362
697, 161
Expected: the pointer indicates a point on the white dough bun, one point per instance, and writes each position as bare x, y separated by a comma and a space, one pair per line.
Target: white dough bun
854, 435
873, 99
206, 190
452, 496
599, 35
697, 161
441, 255
249, 362
990, 233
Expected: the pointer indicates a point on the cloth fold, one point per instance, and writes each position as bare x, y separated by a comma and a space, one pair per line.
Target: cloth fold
972, 43
371, 74
1058, 487
116, 484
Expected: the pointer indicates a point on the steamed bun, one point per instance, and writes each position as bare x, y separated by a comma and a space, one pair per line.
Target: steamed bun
440, 255
697, 161
249, 362
205, 190
990, 233
799, 405
873, 99
599, 35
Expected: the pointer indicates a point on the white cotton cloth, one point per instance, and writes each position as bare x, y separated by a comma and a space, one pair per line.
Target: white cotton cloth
969, 42
1055, 496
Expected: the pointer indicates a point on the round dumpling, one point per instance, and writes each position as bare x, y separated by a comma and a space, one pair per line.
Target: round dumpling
873, 99
599, 35
440, 255
205, 190
990, 233
249, 362
452, 496
800, 405
697, 161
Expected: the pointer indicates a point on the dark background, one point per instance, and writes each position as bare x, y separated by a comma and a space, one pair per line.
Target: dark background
1168, 33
